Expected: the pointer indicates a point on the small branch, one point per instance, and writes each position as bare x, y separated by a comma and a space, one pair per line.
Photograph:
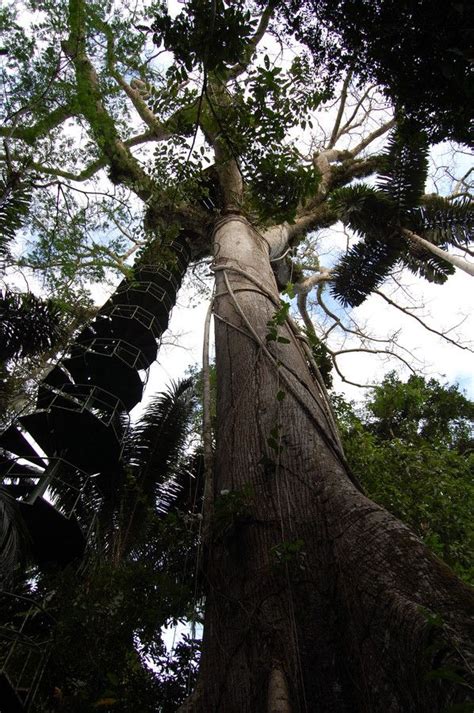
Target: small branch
342, 106
420, 321
387, 353
348, 125
348, 381
338, 322
371, 137
461, 184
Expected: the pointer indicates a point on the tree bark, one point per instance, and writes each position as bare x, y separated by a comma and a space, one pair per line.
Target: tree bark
301, 568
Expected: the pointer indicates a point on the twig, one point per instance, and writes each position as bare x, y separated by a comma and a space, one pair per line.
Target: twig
420, 321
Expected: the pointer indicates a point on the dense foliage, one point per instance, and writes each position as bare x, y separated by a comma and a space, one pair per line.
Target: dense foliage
419, 51
412, 446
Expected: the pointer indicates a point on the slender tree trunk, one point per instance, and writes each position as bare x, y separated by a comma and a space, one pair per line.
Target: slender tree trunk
317, 599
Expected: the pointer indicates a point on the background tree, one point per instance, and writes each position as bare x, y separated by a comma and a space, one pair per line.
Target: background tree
411, 446
314, 594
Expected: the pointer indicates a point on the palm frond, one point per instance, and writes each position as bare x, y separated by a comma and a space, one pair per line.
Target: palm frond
154, 454
28, 325
365, 210
189, 481
15, 198
444, 222
159, 435
362, 269
13, 535
424, 264
402, 177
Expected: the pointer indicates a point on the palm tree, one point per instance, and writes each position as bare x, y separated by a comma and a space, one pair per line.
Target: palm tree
154, 468
397, 223
130, 563
140, 574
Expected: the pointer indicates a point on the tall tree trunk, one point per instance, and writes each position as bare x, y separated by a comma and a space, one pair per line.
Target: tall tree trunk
317, 599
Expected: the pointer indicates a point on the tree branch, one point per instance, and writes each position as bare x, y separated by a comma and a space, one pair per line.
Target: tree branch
443, 254
340, 112
371, 137
95, 166
303, 287
420, 321
248, 52
30, 134
348, 125
125, 167
154, 124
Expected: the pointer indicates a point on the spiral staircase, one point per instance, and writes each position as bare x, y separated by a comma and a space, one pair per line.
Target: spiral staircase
60, 461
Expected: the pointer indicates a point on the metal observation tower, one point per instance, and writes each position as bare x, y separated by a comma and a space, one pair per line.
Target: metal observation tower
60, 461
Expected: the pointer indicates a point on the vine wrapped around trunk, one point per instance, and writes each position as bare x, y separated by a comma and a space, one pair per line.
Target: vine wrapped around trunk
301, 567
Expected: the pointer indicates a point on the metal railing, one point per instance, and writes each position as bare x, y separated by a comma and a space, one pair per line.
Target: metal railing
25, 639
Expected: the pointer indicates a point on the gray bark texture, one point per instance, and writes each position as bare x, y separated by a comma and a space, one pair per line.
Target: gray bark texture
301, 568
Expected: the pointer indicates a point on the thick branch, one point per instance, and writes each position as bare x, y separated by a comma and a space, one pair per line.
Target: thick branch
303, 287
125, 168
322, 216
30, 134
435, 250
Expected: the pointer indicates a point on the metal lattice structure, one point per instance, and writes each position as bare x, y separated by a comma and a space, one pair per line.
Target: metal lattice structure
59, 462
